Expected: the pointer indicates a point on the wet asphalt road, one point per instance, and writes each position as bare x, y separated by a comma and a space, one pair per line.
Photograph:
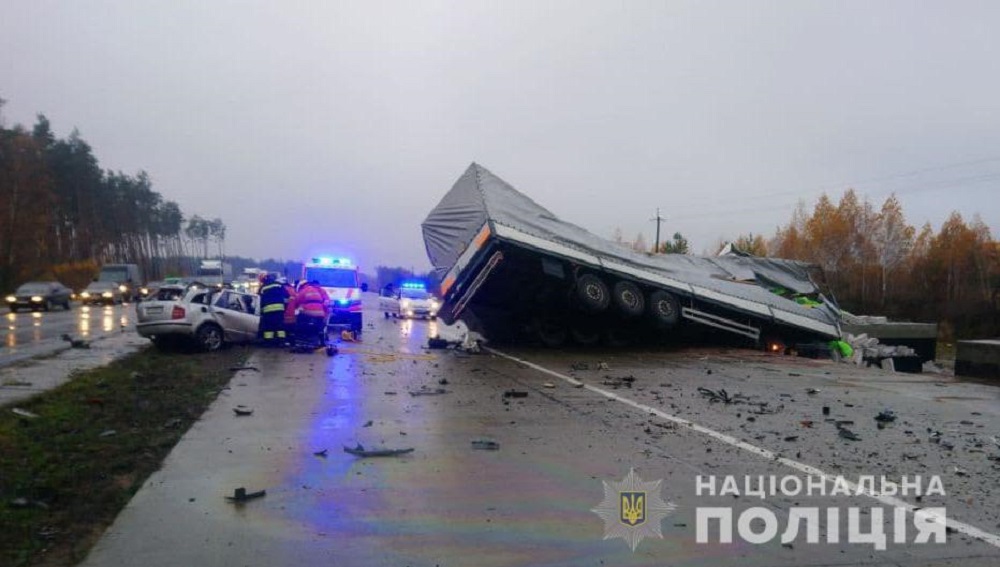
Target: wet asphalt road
530, 502
33, 333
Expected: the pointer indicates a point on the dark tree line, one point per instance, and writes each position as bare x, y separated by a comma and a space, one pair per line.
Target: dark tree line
63, 216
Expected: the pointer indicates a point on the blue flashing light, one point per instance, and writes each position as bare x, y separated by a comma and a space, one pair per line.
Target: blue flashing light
414, 285
343, 301
328, 261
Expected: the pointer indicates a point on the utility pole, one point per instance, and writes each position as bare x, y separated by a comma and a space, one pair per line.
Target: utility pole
658, 219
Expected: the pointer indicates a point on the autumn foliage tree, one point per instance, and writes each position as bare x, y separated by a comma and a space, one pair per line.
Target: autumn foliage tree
63, 215
877, 263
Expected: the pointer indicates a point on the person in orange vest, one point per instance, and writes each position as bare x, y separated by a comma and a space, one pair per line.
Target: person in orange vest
311, 306
273, 297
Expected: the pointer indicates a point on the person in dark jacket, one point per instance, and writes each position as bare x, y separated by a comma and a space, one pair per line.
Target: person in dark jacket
273, 297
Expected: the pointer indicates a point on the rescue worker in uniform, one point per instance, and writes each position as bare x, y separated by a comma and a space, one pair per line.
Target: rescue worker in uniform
273, 297
311, 306
289, 314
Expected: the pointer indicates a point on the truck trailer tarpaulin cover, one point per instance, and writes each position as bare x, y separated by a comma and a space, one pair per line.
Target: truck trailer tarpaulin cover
480, 197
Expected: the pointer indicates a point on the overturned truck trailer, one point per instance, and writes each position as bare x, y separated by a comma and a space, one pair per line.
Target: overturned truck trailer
508, 267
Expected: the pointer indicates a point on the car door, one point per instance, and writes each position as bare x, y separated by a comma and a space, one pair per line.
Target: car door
236, 315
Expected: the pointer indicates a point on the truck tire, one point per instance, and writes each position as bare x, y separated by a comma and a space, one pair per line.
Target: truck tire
664, 309
592, 293
210, 337
585, 333
628, 298
550, 332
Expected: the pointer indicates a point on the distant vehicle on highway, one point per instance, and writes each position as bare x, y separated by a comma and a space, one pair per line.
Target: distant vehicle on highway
40, 295
208, 317
127, 275
104, 293
409, 300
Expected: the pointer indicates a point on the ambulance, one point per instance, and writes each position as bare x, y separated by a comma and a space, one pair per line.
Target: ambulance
340, 279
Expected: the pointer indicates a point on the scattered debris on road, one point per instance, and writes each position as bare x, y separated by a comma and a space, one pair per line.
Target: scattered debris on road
320, 453
241, 411
360, 451
241, 495
515, 394
485, 444
425, 391
886, 416
721, 395
241, 368
75, 343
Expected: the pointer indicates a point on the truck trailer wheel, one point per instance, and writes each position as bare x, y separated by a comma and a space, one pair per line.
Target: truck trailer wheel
628, 298
550, 332
585, 333
664, 309
592, 293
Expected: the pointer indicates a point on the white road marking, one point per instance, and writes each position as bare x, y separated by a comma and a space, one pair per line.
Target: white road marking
960, 527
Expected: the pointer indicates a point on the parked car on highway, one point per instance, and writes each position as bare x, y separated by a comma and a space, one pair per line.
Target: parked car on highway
408, 301
104, 292
209, 317
40, 295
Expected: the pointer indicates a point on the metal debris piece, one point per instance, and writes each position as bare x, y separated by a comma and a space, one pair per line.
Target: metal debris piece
425, 391
24, 413
239, 368
886, 416
580, 366
848, 434
368, 423
241, 411
320, 453
603, 366
108, 433
548, 385
721, 395
485, 444
515, 394
360, 451
812, 391
241, 495
443, 381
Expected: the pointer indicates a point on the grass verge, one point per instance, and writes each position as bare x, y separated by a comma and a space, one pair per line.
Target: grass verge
65, 474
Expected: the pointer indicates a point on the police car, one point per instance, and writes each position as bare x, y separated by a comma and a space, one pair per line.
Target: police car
410, 300
340, 279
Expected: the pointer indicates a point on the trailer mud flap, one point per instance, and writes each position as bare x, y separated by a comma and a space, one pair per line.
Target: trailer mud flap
491, 264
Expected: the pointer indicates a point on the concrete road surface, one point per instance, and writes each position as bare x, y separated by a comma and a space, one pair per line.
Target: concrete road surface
589, 417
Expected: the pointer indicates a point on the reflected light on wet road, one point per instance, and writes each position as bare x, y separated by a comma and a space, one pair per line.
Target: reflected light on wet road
108, 320
85, 324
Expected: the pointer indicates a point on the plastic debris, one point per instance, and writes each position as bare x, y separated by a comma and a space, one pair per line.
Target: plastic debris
108, 433
368, 423
515, 394
24, 413
721, 395
320, 453
548, 385
360, 451
485, 444
241, 411
241, 495
75, 343
240, 368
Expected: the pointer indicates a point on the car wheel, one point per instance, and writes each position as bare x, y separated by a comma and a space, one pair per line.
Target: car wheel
210, 337
47, 306
592, 293
628, 298
386, 314
664, 309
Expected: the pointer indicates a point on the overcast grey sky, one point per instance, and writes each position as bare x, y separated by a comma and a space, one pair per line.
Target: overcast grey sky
328, 126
